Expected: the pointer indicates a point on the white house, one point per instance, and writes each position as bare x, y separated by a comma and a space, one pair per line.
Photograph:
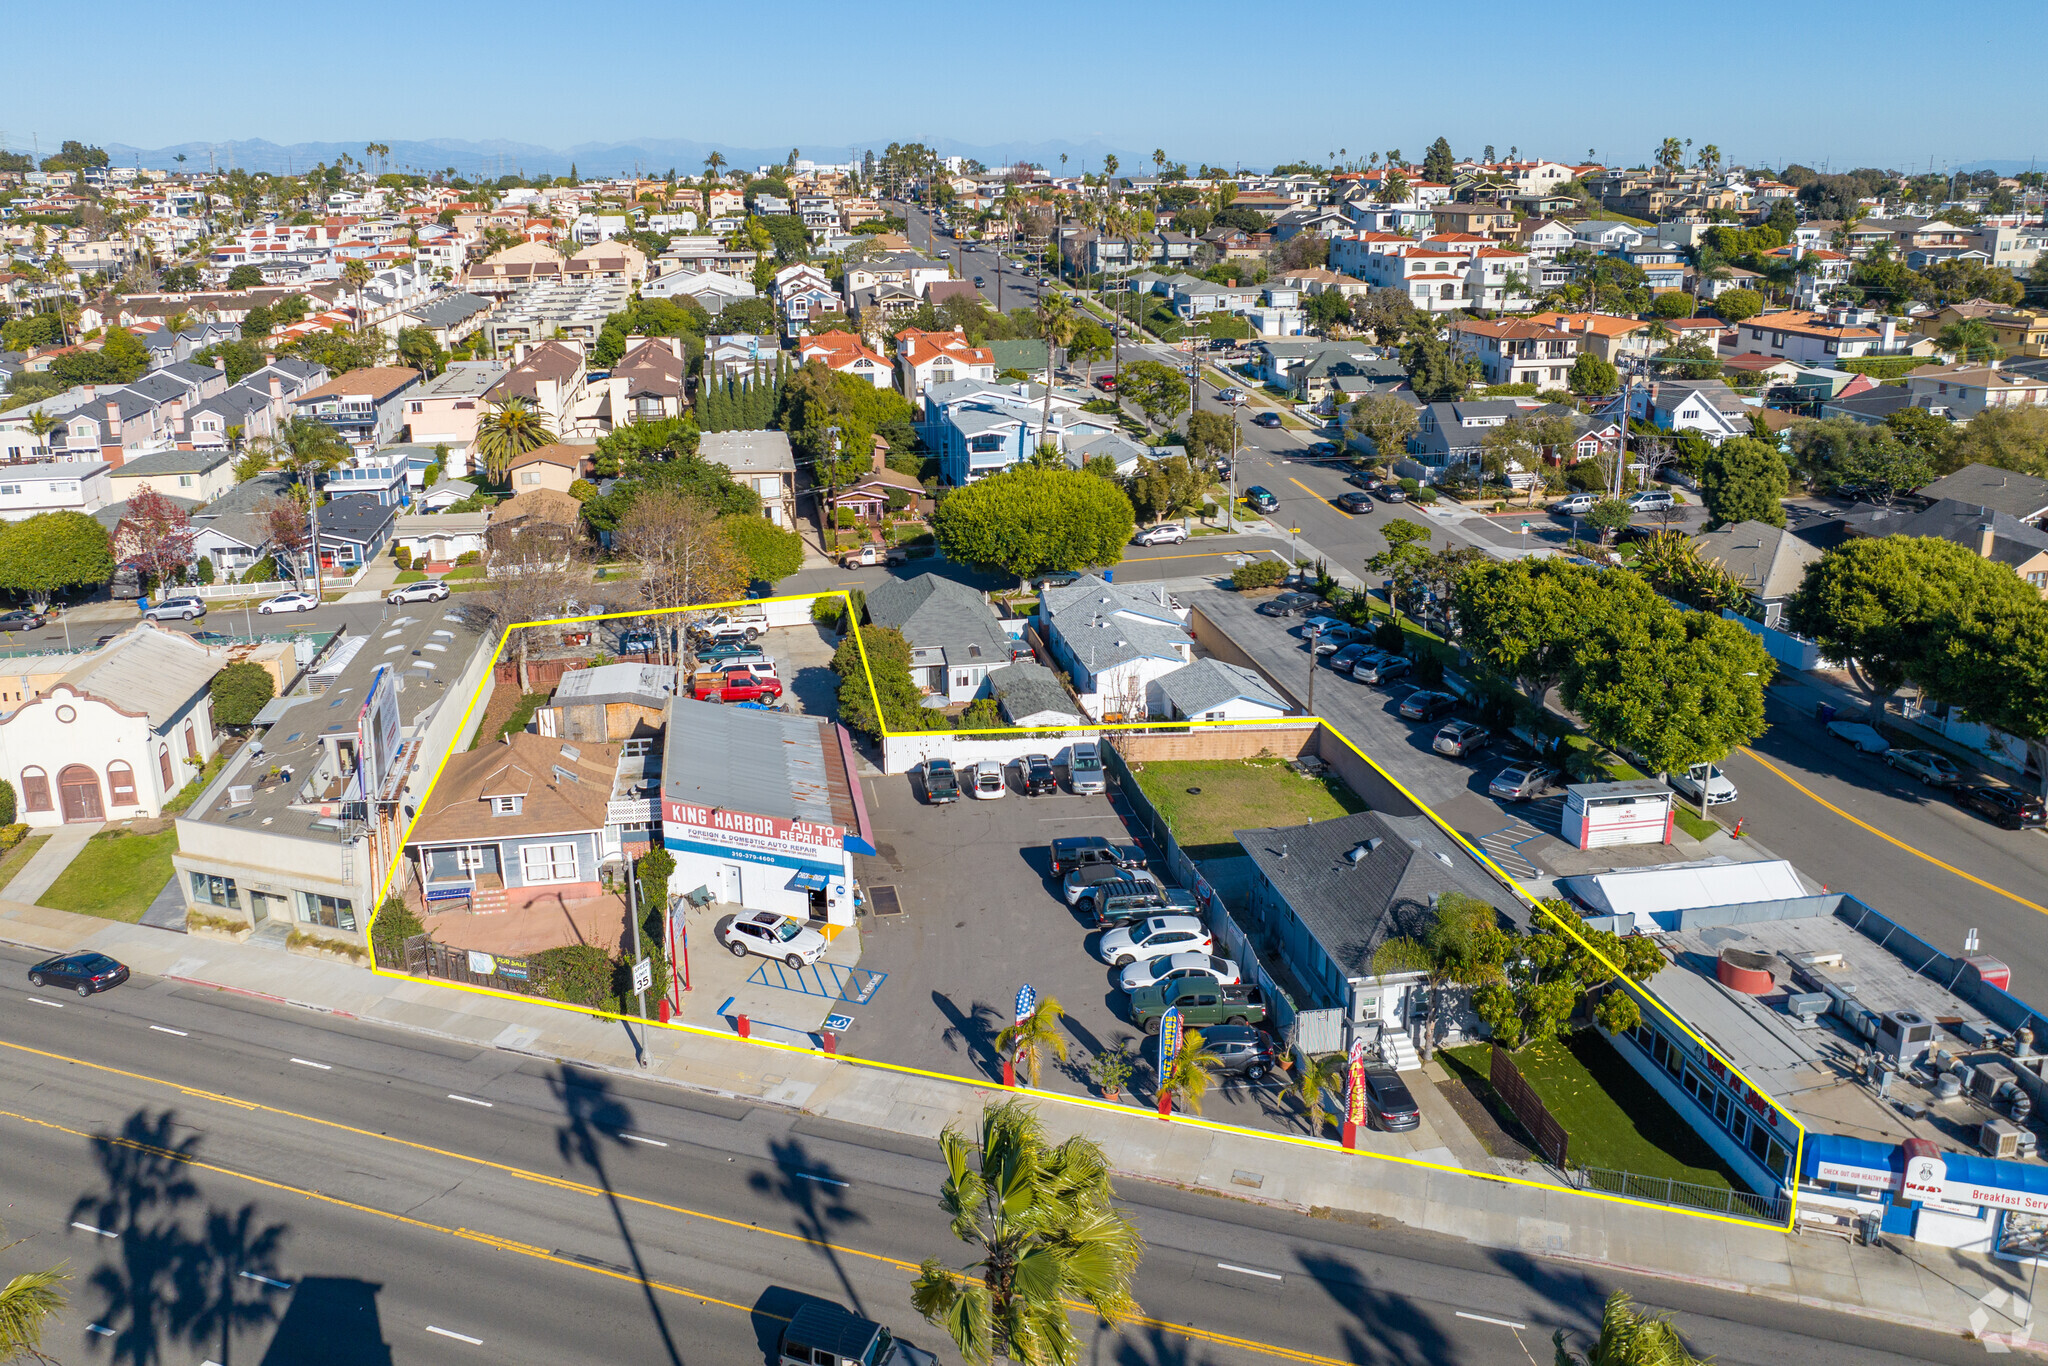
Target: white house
440, 538
116, 736
1808, 338
1115, 641
1211, 690
33, 486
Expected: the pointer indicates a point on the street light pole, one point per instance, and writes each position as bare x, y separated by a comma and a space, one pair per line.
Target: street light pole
1315, 638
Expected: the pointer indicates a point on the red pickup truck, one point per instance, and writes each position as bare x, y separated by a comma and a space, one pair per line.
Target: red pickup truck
735, 685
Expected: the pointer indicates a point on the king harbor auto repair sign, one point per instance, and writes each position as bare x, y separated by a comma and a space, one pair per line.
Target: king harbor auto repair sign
745, 830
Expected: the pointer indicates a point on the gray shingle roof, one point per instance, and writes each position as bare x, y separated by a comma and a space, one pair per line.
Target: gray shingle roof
2018, 495
936, 613
1769, 561
2012, 541
1353, 908
173, 462
1026, 689
1209, 683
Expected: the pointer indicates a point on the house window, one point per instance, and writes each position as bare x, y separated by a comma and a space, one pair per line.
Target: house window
335, 912
121, 783
505, 806
184, 481
540, 863
35, 789
209, 889
163, 766
191, 742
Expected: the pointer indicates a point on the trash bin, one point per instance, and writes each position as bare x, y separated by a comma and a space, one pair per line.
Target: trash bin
1823, 713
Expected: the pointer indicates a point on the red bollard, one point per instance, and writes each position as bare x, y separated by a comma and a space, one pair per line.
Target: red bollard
1350, 1136
1009, 1072
1165, 1106
665, 1011
830, 1041
741, 1026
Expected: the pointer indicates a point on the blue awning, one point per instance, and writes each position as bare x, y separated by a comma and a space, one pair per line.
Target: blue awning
810, 878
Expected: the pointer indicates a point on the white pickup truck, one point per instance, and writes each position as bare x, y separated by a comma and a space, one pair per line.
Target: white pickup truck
731, 626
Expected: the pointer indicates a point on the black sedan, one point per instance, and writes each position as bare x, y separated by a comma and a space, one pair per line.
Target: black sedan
1389, 1105
83, 972
2007, 806
1267, 419
1357, 500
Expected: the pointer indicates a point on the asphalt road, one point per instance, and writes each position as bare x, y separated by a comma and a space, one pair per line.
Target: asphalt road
330, 1191
1005, 285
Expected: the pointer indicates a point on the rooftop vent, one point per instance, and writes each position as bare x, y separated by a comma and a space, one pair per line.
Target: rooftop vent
1745, 971
241, 794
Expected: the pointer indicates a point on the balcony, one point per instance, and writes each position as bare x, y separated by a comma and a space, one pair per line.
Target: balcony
633, 811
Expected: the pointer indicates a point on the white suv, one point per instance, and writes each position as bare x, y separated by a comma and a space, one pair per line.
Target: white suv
425, 590
1166, 533
773, 936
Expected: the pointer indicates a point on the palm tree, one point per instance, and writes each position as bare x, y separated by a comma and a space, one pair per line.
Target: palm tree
1628, 1337
713, 164
509, 430
27, 1304
1046, 1223
354, 275
1027, 1041
40, 425
1057, 324
1190, 1073
1326, 1075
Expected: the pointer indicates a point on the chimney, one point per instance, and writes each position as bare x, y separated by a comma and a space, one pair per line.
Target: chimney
1984, 535
276, 389
1891, 332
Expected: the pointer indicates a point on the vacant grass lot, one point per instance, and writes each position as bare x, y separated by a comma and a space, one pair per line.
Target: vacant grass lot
1238, 794
1615, 1120
116, 875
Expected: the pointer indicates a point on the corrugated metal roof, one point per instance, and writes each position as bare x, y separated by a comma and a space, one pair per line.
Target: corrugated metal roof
765, 762
156, 672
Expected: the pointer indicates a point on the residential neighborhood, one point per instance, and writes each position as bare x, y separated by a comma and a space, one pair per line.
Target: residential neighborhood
661, 750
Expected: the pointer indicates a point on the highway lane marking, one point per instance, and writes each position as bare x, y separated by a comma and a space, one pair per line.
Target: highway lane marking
37, 1000
164, 1029
1193, 1334
459, 1337
1498, 1323
470, 1100
650, 1142
89, 1228
265, 1280
1891, 839
821, 1180
305, 1062
1251, 1271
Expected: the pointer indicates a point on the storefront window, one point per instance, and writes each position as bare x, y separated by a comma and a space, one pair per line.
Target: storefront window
335, 912
2023, 1235
211, 890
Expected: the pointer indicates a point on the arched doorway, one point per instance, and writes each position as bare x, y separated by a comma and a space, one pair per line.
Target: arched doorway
78, 789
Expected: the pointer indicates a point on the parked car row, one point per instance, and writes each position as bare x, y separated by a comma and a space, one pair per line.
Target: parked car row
988, 779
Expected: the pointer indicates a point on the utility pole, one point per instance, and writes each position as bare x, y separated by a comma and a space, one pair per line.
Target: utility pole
1315, 638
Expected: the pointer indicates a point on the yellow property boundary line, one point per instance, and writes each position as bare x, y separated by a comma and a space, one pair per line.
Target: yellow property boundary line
1642, 992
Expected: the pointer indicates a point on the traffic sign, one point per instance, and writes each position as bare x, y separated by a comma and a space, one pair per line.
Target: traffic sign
643, 974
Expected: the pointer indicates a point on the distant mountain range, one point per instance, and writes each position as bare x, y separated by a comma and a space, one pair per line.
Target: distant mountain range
653, 156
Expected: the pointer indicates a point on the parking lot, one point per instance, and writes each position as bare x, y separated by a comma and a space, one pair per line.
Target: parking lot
980, 916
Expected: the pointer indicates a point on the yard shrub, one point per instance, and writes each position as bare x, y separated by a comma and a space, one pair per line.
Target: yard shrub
579, 974
13, 833
204, 920
469, 557
1410, 487
827, 611
843, 517
6, 802
396, 923
1424, 496
1429, 669
263, 571
1389, 636
402, 557
240, 691
1258, 574
205, 570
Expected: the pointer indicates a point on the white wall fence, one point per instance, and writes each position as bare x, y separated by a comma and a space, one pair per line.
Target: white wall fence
1783, 646
902, 753
330, 582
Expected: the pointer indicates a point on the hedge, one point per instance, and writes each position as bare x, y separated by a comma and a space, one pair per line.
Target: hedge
1885, 367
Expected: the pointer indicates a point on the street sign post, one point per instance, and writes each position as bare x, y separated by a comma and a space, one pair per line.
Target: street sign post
643, 976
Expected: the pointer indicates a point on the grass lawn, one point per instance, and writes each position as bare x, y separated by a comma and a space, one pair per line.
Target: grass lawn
1615, 1120
116, 875
1238, 794
12, 862
1619, 770
516, 722
465, 571
408, 576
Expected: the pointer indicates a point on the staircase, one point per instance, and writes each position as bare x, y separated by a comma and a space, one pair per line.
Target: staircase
487, 900
1397, 1050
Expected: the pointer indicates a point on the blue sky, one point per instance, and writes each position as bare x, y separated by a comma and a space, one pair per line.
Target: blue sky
1230, 84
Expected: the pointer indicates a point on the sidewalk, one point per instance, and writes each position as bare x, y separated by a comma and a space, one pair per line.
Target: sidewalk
1920, 1287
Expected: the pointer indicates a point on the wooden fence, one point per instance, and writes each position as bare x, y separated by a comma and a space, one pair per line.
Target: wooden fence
425, 958
1551, 1139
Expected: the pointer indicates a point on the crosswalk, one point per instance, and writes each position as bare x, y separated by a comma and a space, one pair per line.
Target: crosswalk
1504, 846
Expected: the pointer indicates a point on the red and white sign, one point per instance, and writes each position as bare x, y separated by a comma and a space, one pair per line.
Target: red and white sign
1926, 1177
744, 829
1868, 1177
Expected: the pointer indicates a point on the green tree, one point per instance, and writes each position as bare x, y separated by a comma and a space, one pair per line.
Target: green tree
1671, 688
1160, 391
2010, 438
1548, 970
1328, 310
1628, 1336
1993, 662
1407, 551
1384, 420
1189, 1073
509, 429
1326, 1074
1674, 303
28, 1304
52, 553
417, 348
1045, 1222
1744, 480
772, 554
1932, 435
1029, 521
881, 656
1208, 437
1736, 305
240, 691
1670, 562
1528, 619
245, 277
1592, 376
1608, 516
1462, 946
1689, 359
1435, 372
1167, 488
1026, 1042
1438, 165
1883, 606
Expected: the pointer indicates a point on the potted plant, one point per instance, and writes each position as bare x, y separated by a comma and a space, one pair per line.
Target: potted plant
1110, 1070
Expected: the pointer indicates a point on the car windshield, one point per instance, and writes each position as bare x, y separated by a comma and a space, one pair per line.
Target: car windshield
788, 930
1086, 763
